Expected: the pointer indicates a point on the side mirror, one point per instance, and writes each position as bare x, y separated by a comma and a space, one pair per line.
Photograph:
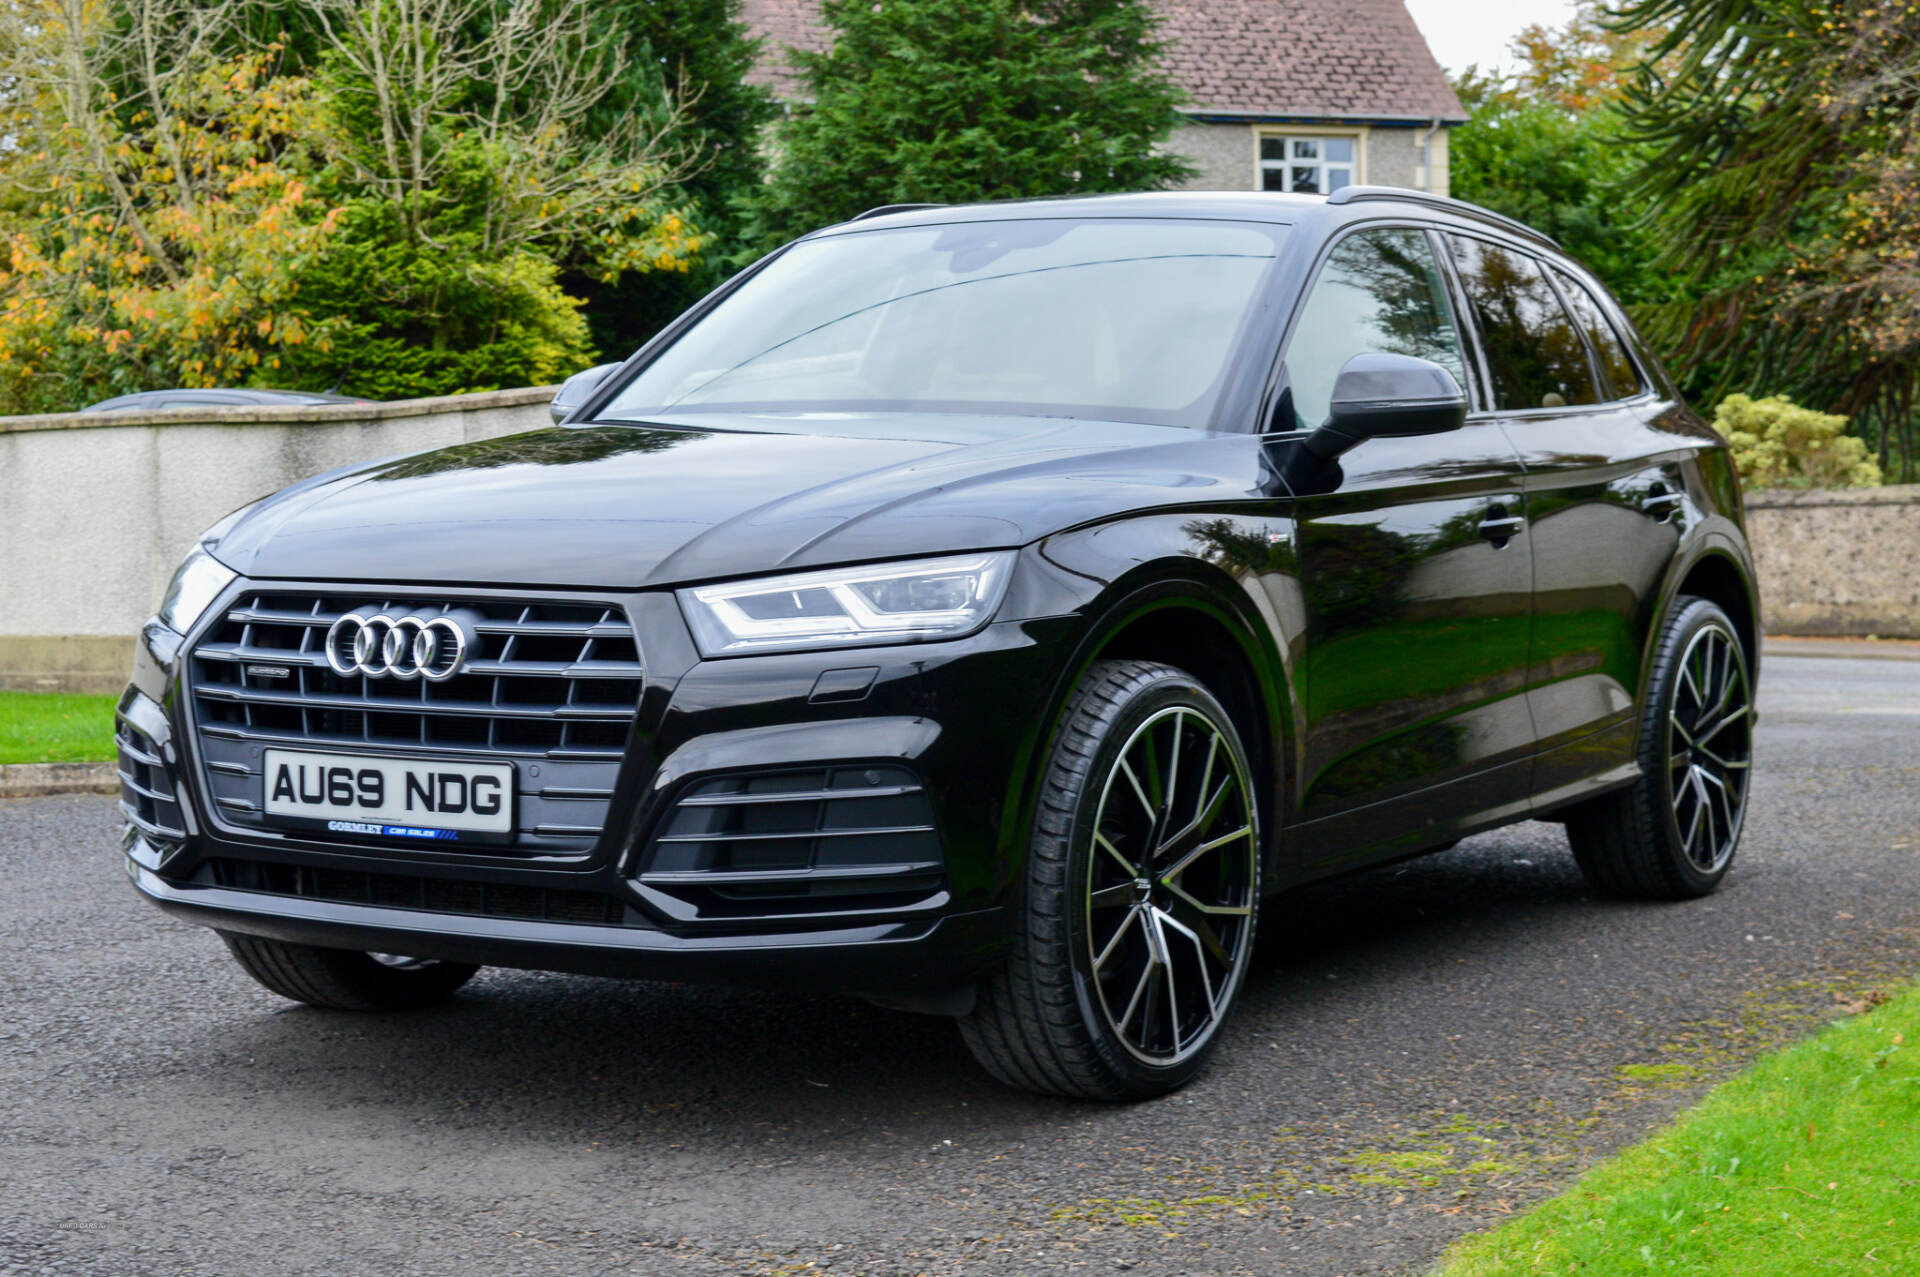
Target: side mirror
1380, 396
576, 390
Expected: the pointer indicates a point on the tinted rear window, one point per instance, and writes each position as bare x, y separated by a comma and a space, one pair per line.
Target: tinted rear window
1535, 356
1615, 364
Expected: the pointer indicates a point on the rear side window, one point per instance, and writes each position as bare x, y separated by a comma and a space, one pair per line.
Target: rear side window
1379, 291
1615, 364
1535, 356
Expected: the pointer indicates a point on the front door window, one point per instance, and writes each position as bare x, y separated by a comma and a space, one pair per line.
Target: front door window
1380, 291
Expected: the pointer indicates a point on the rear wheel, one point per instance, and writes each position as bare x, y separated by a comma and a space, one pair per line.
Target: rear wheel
346, 979
1673, 834
1141, 895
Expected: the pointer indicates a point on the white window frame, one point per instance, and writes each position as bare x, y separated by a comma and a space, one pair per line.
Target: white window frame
1289, 136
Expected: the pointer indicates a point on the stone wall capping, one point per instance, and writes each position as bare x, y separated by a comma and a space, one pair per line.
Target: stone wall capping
287, 415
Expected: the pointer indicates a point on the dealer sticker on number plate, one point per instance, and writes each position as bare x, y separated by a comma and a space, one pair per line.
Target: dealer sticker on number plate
390, 797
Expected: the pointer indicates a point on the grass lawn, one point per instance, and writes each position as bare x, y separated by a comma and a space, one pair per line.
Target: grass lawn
46, 727
1807, 1163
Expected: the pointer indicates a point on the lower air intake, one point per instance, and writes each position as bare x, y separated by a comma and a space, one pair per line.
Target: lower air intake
819, 843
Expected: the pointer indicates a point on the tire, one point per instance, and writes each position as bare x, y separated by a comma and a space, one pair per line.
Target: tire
1672, 835
346, 979
1088, 1003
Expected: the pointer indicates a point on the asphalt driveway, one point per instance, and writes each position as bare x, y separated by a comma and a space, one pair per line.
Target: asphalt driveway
1422, 1050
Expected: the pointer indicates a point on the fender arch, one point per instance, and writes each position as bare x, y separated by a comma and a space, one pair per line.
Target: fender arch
1216, 621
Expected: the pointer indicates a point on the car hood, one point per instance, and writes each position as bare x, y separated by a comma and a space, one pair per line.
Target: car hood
631, 506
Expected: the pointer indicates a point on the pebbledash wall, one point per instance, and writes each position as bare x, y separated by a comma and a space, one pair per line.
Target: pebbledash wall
97, 510
1225, 152
1838, 563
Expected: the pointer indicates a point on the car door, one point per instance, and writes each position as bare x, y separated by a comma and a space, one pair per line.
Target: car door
1605, 491
1414, 575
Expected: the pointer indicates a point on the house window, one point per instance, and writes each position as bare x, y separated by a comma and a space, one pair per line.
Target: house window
1312, 165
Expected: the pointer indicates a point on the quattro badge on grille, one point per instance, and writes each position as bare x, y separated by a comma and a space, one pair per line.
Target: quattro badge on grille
372, 644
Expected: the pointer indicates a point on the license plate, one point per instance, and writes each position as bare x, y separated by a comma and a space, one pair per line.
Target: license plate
389, 797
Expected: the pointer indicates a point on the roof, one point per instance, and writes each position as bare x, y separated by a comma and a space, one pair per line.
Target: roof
1281, 208
1242, 206
1296, 59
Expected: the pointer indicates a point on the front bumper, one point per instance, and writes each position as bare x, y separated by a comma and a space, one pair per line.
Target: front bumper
904, 957
964, 717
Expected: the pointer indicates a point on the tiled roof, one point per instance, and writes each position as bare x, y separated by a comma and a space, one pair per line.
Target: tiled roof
1318, 58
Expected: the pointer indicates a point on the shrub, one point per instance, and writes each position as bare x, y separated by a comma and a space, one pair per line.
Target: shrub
950, 101
1778, 444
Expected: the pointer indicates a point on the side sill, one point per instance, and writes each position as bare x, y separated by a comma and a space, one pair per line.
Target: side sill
1553, 805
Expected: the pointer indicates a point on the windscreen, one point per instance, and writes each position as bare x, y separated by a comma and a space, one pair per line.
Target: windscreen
1110, 320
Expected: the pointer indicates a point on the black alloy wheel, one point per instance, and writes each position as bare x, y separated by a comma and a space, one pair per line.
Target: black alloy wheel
1142, 895
1673, 834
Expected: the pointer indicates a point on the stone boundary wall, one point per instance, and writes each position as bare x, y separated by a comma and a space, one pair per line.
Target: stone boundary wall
96, 509
1838, 564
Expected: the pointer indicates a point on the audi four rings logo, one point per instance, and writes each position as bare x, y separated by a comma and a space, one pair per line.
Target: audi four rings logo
402, 647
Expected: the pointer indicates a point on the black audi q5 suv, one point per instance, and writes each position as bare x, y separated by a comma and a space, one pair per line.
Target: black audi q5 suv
982, 610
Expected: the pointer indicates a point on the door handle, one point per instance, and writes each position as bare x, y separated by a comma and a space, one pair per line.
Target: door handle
1500, 527
1661, 503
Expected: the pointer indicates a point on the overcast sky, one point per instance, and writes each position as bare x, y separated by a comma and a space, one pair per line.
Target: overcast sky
1467, 31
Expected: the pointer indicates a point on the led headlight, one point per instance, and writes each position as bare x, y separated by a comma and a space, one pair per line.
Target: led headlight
909, 602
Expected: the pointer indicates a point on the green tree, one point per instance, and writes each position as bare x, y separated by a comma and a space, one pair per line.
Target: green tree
379, 196
410, 317
1784, 167
157, 201
1560, 170
702, 53
955, 100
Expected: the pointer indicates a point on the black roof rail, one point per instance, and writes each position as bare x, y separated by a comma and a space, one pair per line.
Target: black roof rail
885, 209
1360, 194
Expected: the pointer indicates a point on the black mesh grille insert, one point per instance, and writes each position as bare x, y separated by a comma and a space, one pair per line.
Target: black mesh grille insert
436, 895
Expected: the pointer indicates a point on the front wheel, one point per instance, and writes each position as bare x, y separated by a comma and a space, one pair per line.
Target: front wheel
1673, 834
346, 979
1140, 898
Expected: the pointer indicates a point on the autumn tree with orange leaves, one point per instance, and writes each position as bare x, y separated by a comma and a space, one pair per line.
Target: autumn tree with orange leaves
1546, 144
382, 202
153, 232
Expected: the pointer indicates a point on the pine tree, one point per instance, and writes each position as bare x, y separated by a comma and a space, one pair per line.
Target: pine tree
942, 101
1783, 164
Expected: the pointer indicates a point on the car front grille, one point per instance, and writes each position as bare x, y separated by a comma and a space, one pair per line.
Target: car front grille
551, 686
797, 843
435, 895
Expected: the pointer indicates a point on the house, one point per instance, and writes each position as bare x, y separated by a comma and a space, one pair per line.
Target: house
1284, 95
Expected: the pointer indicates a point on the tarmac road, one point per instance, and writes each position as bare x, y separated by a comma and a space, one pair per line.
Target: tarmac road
1422, 1050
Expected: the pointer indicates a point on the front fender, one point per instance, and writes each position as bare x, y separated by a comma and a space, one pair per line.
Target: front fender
1225, 582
